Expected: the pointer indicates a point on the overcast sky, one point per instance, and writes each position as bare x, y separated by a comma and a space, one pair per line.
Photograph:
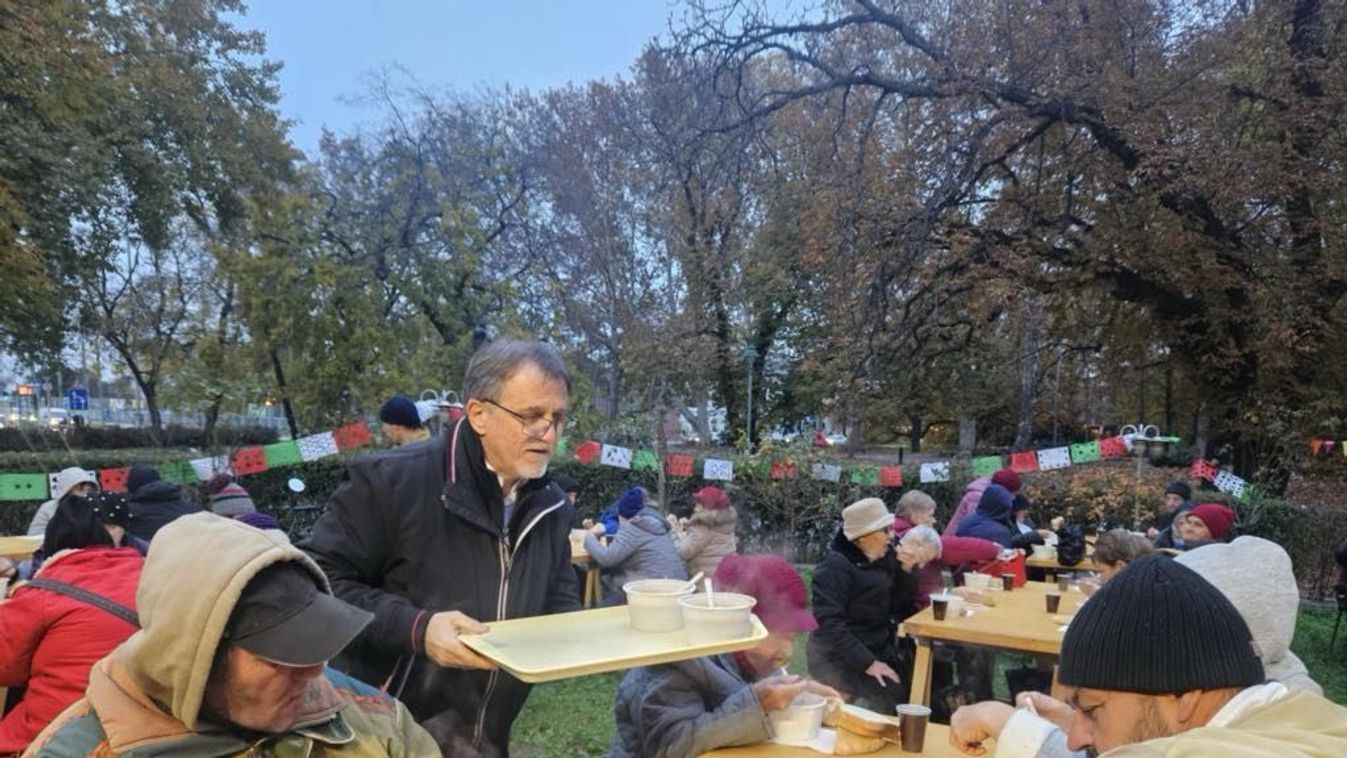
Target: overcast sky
328, 47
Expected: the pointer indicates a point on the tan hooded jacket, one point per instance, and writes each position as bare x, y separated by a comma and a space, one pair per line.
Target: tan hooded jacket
146, 697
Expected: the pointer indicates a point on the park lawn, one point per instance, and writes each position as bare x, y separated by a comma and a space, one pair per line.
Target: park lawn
574, 717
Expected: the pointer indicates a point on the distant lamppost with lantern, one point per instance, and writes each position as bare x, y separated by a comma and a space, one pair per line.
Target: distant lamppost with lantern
750, 356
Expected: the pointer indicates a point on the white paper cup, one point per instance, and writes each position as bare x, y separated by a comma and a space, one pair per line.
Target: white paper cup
800, 721
652, 604
730, 619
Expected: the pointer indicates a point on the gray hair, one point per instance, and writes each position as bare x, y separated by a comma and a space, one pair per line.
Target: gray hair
924, 536
494, 364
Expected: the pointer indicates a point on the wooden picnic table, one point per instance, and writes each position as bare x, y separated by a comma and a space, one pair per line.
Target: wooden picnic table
1019, 622
1051, 564
17, 548
593, 591
937, 744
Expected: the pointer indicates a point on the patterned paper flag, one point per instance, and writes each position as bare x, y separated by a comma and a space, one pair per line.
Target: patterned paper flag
316, 446
865, 476
1054, 458
563, 447
205, 468
718, 470
827, 472
1203, 469
1315, 444
891, 476
1112, 447
51, 482
935, 472
616, 456
249, 460
986, 465
679, 464
1230, 483
1329, 445
113, 479
784, 470
1024, 462
18, 487
352, 436
1249, 494
644, 460
1085, 452
282, 454
588, 451
178, 472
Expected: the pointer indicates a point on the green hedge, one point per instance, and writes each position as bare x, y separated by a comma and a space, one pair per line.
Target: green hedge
43, 439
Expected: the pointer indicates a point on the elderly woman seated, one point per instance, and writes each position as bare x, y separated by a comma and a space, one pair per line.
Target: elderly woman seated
863, 588
693, 706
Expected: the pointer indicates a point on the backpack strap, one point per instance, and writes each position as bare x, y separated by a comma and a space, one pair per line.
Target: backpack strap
91, 598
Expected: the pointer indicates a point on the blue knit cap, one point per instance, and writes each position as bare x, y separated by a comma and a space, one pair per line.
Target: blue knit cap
631, 502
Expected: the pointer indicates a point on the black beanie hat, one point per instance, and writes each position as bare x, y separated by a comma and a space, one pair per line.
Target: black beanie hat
1181, 489
400, 410
140, 475
1159, 628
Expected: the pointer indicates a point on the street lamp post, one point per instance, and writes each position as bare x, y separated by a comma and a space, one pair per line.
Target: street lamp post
750, 357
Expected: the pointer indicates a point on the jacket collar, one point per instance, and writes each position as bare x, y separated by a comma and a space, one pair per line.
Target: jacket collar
472, 490
852, 553
137, 727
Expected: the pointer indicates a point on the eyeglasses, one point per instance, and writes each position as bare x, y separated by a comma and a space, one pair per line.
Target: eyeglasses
534, 424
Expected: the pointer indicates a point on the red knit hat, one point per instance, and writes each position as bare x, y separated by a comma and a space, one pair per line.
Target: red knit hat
1009, 479
1217, 518
775, 584
713, 498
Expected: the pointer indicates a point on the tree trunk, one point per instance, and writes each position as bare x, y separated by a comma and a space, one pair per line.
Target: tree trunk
915, 431
1028, 374
212, 417
968, 434
279, 372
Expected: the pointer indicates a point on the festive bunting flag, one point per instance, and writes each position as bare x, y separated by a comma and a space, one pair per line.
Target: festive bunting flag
282, 454
891, 476
678, 464
316, 446
113, 479
248, 460
935, 472
52, 486
178, 472
865, 476
588, 451
205, 468
1085, 452
563, 447
783, 470
1203, 469
1054, 458
1112, 447
23, 487
1024, 462
1249, 494
644, 460
717, 470
1230, 483
352, 436
1315, 445
827, 472
754, 468
986, 465
616, 456
1329, 445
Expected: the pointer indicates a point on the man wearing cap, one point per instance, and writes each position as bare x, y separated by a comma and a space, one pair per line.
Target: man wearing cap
1178, 500
861, 593
229, 661
439, 538
1159, 663
73, 479
690, 707
401, 421
154, 502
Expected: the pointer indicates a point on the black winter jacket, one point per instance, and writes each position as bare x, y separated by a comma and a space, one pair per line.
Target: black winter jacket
153, 505
418, 529
858, 605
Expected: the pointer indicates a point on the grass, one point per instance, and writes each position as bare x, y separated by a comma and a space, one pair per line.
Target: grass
574, 717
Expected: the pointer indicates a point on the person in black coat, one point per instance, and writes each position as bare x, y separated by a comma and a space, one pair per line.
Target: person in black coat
153, 502
992, 521
439, 536
861, 593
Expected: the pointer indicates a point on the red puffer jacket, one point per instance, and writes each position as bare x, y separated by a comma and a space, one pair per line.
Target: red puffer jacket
49, 641
955, 552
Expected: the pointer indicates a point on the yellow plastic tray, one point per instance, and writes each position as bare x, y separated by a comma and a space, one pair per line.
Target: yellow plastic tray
567, 645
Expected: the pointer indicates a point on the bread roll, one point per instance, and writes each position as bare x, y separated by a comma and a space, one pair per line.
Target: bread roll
850, 743
861, 722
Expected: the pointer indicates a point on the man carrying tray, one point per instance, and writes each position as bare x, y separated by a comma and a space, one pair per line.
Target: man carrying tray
693, 706
438, 536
